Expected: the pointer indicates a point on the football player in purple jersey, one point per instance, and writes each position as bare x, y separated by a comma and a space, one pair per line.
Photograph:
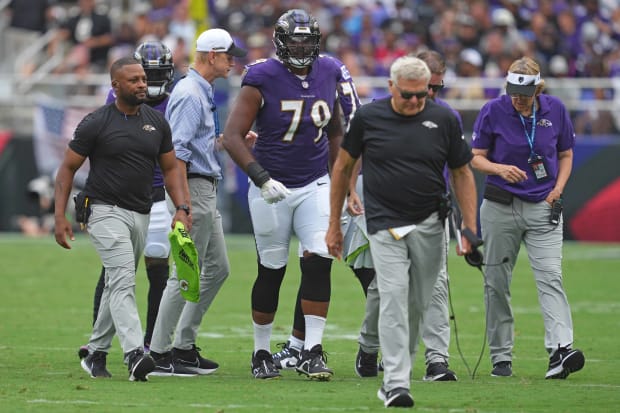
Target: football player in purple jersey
297, 100
156, 59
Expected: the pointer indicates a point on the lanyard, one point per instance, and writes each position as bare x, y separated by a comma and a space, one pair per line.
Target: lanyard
530, 136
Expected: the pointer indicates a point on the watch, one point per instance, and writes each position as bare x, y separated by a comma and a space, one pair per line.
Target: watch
184, 208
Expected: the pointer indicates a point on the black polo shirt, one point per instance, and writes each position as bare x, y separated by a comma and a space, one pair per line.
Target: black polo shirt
404, 157
122, 151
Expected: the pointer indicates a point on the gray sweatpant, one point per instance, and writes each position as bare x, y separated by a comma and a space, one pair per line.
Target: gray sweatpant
118, 236
503, 229
208, 236
407, 271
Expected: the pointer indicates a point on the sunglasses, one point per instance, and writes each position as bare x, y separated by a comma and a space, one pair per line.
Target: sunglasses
436, 88
408, 95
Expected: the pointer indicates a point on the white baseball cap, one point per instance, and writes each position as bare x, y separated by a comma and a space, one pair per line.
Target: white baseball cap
218, 40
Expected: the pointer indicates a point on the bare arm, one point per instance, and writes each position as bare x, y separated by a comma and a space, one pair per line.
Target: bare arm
565, 166
240, 120
465, 190
62, 188
341, 176
354, 203
509, 173
176, 184
334, 135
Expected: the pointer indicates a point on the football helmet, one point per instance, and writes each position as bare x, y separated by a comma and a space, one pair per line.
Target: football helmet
156, 59
297, 38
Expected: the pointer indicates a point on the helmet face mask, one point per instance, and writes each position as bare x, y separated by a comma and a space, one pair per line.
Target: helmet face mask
156, 59
297, 38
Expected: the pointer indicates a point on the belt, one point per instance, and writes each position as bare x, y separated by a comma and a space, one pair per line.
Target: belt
211, 179
94, 201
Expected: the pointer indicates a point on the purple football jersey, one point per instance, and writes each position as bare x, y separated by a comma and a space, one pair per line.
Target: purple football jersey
291, 125
158, 177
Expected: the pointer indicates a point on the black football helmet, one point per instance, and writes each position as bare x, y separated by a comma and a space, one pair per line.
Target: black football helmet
297, 38
156, 59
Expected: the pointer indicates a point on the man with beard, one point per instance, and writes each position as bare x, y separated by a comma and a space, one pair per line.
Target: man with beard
123, 142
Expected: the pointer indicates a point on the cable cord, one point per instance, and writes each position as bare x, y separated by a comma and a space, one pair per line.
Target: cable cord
470, 373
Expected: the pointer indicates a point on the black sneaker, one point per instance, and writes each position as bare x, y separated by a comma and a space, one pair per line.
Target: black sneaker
439, 372
312, 364
564, 362
502, 369
139, 365
366, 364
94, 364
83, 352
263, 366
287, 357
192, 360
398, 397
165, 367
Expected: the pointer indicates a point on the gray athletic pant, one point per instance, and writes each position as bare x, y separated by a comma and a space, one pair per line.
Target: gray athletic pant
208, 236
503, 229
435, 323
436, 320
118, 236
407, 271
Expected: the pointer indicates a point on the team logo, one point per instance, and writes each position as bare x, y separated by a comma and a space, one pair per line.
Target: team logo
474, 136
430, 124
545, 123
183, 285
305, 84
149, 128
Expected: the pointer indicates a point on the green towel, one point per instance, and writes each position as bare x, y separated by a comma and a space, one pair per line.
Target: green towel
186, 259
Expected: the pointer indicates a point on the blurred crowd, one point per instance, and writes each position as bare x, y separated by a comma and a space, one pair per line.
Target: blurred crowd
478, 38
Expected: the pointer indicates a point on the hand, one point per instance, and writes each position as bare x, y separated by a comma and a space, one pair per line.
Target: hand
184, 218
250, 139
354, 204
63, 227
512, 174
334, 241
273, 191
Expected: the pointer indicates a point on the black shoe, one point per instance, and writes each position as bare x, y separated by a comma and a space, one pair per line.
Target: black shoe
192, 360
366, 364
165, 366
439, 372
398, 397
564, 362
286, 358
139, 365
263, 367
83, 352
94, 364
312, 364
502, 369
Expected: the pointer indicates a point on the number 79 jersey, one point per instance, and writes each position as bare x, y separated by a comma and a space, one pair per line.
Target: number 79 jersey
292, 122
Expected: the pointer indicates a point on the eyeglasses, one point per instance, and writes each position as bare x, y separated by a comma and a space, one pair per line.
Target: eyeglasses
408, 95
436, 88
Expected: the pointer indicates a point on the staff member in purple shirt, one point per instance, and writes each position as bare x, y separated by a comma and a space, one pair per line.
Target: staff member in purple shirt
524, 142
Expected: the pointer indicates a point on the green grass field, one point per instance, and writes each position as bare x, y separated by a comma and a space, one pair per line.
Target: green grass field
46, 307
